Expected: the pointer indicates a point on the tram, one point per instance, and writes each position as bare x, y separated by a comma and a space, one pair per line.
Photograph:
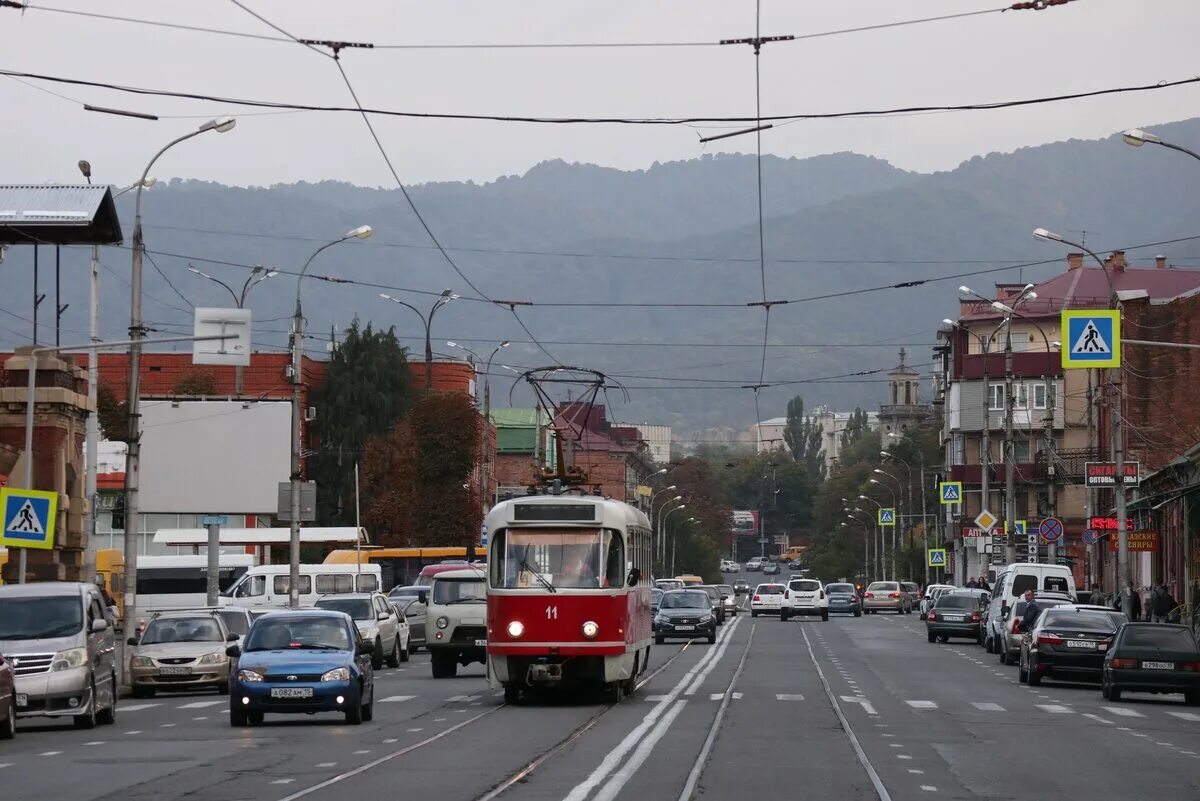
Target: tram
568, 595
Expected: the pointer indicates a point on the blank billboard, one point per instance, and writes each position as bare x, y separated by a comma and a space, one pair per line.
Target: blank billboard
224, 457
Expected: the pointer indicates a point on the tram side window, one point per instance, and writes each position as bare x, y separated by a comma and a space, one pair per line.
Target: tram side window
614, 572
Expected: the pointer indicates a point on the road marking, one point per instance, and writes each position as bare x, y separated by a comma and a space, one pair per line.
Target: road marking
929, 788
896, 745
884, 734
135, 707
6, 764
391, 740
641, 754
922, 704
655, 698
986, 706
95, 742
193, 705
1168, 745
858, 699
1185, 715
417, 729
439, 720
283, 781
903, 756
1123, 712
50, 753
363, 751
1097, 718
326, 764
916, 771
134, 731
713, 662
1057, 709
202, 717
788, 697
396, 698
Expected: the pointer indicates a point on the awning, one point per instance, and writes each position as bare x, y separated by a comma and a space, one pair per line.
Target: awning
58, 214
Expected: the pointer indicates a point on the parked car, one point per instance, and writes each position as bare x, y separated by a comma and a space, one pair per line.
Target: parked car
932, 591
741, 587
718, 603
766, 600
730, 566
377, 623
8, 701
728, 599
887, 596
58, 636
843, 599
804, 597
687, 614
770, 568
308, 661
954, 614
1007, 643
1068, 642
1012, 581
181, 650
1153, 658
755, 564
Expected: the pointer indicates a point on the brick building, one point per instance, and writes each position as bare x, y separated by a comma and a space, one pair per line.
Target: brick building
615, 458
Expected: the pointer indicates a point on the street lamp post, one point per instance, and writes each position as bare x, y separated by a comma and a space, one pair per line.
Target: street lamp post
239, 298
879, 540
908, 496
924, 521
485, 461
132, 404
427, 319
662, 547
663, 523
1138, 137
850, 514
897, 508
294, 345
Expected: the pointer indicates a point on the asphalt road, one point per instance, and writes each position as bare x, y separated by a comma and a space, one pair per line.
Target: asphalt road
847, 709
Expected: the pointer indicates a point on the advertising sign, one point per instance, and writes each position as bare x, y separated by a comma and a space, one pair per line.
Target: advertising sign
1104, 474
1138, 541
745, 523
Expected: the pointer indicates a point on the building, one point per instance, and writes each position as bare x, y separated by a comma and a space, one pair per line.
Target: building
657, 438
903, 408
615, 459
769, 434
1050, 407
525, 445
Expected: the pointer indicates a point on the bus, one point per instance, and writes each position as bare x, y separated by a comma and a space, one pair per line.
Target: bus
181, 582
110, 567
400, 567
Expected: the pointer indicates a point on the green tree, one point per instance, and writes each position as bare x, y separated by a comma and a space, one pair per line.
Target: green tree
111, 413
698, 546
803, 437
856, 426
367, 388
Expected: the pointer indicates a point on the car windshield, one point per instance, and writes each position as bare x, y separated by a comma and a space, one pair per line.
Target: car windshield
726, 589
406, 592
357, 608
1078, 621
655, 595
570, 558
286, 632
769, 589
1170, 637
883, 586
847, 589
957, 602
182, 629
459, 591
680, 599
805, 585
236, 622
40, 618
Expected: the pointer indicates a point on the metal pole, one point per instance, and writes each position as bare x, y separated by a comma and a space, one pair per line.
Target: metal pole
30, 398
37, 301
1010, 499
1051, 457
93, 421
1124, 577
294, 510
59, 308
985, 454
1093, 552
484, 455
924, 521
357, 531
213, 588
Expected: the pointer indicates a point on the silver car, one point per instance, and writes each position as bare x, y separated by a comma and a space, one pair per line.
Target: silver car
181, 650
377, 622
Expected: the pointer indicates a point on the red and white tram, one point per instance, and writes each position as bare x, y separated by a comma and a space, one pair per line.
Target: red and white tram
568, 596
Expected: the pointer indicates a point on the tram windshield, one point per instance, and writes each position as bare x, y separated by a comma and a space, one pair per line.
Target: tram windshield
557, 559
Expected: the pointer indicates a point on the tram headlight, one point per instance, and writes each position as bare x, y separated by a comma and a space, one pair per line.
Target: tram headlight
590, 629
515, 629
443, 621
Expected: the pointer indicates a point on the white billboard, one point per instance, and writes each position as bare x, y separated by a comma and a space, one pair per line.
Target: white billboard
223, 457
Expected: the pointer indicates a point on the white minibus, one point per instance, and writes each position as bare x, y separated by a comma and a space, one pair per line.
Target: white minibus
267, 585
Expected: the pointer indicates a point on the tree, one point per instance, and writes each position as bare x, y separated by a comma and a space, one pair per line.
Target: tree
803, 437
111, 413
698, 547
367, 389
196, 382
856, 426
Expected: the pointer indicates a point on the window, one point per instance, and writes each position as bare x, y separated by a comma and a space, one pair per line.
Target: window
281, 585
1023, 582
367, 582
252, 587
1020, 453
331, 583
996, 397
1055, 584
1020, 396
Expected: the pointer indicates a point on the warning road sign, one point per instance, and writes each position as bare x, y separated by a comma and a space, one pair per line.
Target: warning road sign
950, 491
1093, 337
887, 516
937, 557
29, 517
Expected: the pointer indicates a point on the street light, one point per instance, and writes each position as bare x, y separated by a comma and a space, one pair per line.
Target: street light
879, 543
895, 523
663, 523
297, 378
256, 277
446, 296
132, 405
1137, 137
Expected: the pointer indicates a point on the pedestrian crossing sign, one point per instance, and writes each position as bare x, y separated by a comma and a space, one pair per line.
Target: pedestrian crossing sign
887, 516
1091, 338
937, 557
29, 517
951, 492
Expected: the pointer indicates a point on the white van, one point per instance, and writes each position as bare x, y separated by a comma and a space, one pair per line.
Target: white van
181, 582
1011, 583
267, 585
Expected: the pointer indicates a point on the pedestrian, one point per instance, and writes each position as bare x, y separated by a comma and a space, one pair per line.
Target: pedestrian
971, 583
983, 584
1097, 597
1161, 603
1135, 605
1032, 610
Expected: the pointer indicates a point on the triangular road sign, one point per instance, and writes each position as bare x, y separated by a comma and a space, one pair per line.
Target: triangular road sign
26, 520
1091, 340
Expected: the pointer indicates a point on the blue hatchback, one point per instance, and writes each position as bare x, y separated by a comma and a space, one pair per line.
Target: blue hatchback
310, 661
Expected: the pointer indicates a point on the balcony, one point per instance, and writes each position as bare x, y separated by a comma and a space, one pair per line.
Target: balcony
1069, 463
1025, 365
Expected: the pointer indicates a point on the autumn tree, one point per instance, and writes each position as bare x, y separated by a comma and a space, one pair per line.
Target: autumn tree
111, 413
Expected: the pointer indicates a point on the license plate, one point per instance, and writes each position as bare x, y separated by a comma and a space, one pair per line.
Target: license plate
291, 692
684, 628
1159, 665
22, 699
955, 618
1081, 644
175, 671
481, 643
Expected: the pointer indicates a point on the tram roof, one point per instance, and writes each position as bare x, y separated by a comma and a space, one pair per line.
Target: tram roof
611, 513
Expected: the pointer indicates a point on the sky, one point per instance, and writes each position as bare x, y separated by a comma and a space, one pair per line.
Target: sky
1085, 45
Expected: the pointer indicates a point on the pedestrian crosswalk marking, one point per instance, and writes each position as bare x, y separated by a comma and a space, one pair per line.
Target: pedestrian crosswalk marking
922, 704
135, 707
1186, 715
788, 697
193, 705
396, 698
26, 520
985, 706
862, 701
1123, 712
1057, 709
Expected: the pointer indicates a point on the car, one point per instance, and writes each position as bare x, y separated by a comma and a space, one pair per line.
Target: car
741, 587
302, 661
237, 619
412, 612
1007, 644
804, 596
1010, 585
456, 622
930, 595
1067, 642
887, 596
755, 564
377, 621
655, 600
8, 700
954, 615
728, 599
770, 568
1154, 658
666, 585
843, 599
730, 566
181, 650
766, 600
914, 593
687, 614
718, 603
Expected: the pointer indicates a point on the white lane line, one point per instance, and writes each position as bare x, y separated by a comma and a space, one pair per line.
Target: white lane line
50, 753
134, 731
929, 788
922, 704
202, 717
416, 729
655, 698
987, 706
640, 754
193, 705
1057, 709
95, 742
1097, 718
167, 726
916, 771
1186, 715
326, 764
6, 764
439, 720
391, 740
283, 781
858, 699
1123, 712
713, 663
363, 751
135, 707
788, 697
885, 734
391, 699
903, 756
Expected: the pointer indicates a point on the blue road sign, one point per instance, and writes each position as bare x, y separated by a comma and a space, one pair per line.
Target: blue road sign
951, 491
937, 557
214, 520
1092, 338
29, 517
1051, 529
1090, 536
887, 516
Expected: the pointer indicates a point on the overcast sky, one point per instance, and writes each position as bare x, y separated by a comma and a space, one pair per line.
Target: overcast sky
1087, 45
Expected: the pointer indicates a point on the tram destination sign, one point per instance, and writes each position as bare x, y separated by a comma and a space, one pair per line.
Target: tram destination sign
575, 512
1104, 474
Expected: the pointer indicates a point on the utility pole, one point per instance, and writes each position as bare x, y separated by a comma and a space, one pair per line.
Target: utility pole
1010, 499
1088, 493
985, 447
1051, 461
1124, 579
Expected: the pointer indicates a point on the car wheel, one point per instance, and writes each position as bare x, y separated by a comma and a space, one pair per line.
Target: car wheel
354, 712
753, 613
377, 655
444, 666
857, 613
1035, 678
783, 616
943, 638
1104, 691
237, 716
932, 637
1022, 674
108, 716
8, 729
368, 711
393, 659
1002, 652
256, 718
223, 688
404, 654
825, 617
1114, 694
712, 637
1192, 698
659, 640
88, 719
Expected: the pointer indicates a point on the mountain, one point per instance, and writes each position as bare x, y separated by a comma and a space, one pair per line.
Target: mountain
683, 232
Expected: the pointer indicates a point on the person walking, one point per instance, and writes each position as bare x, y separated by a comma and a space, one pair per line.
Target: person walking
1135, 603
971, 583
1096, 598
1161, 603
1032, 610
983, 584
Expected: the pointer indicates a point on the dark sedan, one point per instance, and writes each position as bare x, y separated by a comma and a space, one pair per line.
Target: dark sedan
843, 599
1067, 643
954, 615
1153, 658
686, 614
741, 587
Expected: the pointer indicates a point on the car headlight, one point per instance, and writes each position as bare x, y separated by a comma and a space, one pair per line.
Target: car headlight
141, 662
249, 676
661, 619
590, 629
215, 658
337, 674
705, 618
515, 629
443, 621
71, 658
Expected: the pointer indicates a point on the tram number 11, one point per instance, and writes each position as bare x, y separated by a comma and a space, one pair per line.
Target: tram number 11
551, 613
